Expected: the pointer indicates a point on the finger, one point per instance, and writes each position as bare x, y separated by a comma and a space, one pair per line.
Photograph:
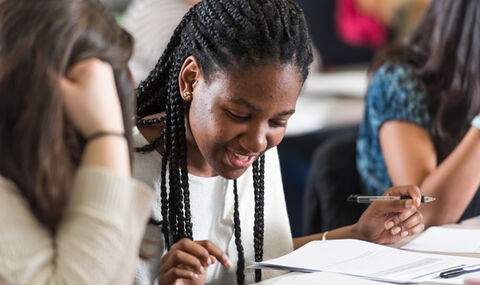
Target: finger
416, 229
178, 273
178, 257
407, 190
216, 252
391, 207
193, 248
404, 215
411, 222
416, 195
395, 230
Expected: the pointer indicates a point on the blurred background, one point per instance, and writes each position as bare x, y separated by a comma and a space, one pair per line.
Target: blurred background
346, 35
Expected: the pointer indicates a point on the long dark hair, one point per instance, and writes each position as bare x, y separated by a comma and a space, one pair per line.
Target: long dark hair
444, 52
40, 40
221, 35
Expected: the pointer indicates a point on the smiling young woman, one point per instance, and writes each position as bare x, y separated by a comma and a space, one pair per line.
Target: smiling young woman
210, 115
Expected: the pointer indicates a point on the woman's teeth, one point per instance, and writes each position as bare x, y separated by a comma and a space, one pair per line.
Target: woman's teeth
241, 157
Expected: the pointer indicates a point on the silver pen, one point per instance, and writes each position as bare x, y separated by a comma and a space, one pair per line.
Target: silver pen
370, 199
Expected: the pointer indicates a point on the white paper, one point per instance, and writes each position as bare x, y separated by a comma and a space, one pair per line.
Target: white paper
448, 240
368, 260
318, 278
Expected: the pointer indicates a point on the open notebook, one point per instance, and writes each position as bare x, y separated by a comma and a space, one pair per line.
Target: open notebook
368, 260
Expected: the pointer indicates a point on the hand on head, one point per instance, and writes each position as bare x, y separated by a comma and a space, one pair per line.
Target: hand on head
189, 260
387, 222
90, 97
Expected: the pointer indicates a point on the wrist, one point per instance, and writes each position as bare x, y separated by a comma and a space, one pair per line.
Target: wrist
347, 232
355, 232
103, 134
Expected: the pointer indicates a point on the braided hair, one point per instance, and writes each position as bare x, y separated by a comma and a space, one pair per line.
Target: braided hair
221, 35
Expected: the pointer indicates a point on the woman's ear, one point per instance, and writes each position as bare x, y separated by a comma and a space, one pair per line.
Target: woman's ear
189, 75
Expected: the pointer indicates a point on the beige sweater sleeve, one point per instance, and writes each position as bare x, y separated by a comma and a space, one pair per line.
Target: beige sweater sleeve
96, 243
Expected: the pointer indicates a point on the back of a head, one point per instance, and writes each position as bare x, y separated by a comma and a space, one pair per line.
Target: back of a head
40, 41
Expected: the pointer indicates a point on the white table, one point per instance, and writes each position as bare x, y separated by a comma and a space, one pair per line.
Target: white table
333, 278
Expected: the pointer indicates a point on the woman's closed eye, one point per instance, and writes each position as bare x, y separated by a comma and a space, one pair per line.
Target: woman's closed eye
237, 116
278, 123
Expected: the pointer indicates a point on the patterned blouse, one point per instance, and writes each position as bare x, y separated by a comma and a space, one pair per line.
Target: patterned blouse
394, 94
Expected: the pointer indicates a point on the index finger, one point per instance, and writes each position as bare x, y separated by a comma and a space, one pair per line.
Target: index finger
391, 207
412, 191
216, 252
192, 248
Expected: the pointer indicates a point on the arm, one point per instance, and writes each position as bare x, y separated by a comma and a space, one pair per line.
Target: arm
340, 233
412, 159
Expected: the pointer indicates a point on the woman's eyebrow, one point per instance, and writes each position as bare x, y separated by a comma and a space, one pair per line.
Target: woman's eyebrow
252, 106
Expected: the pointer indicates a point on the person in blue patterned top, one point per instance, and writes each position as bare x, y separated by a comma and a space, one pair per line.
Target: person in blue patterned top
420, 101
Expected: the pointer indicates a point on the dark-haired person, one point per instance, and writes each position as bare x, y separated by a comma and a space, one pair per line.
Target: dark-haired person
70, 213
210, 115
421, 123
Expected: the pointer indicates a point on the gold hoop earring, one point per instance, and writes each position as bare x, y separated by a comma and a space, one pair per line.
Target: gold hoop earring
187, 96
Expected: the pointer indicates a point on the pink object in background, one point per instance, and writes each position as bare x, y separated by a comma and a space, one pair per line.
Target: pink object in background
472, 282
357, 29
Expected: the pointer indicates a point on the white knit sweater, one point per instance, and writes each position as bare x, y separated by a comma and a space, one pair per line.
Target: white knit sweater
96, 243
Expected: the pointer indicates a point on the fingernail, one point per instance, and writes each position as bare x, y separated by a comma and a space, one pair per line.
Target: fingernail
227, 261
404, 234
209, 261
408, 204
195, 276
202, 270
395, 230
389, 225
213, 259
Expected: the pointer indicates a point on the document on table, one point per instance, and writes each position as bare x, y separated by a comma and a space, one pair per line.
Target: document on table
368, 260
448, 240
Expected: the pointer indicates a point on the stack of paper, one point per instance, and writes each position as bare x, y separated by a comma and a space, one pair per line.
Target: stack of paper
448, 240
368, 260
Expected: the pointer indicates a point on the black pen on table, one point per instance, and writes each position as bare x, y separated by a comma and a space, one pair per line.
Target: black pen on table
460, 271
369, 199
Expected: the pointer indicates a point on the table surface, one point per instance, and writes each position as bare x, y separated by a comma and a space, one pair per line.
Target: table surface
334, 278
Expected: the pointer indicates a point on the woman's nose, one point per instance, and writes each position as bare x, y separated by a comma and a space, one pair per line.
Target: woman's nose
255, 139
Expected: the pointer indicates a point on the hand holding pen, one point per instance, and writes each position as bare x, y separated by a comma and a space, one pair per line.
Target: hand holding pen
369, 199
389, 221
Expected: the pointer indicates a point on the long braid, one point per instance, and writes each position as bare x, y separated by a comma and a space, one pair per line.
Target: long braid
221, 35
238, 237
177, 119
163, 186
258, 228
